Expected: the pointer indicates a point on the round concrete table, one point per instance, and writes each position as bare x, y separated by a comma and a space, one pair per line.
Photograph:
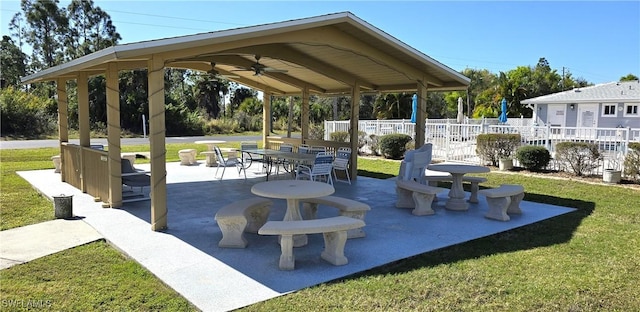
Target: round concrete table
456, 194
293, 191
210, 143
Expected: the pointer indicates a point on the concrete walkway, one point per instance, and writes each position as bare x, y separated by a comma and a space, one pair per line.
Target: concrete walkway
23, 244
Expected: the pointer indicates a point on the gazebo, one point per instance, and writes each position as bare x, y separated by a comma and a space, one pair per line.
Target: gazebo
333, 54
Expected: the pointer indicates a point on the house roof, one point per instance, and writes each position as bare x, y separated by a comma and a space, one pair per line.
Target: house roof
327, 54
612, 92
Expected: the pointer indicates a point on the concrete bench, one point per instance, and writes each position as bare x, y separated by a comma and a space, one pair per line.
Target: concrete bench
502, 200
474, 181
412, 194
334, 231
247, 215
187, 156
348, 208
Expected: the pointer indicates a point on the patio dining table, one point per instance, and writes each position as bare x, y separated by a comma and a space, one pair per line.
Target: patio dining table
270, 155
293, 191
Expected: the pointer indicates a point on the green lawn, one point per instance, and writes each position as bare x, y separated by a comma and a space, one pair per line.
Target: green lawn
587, 260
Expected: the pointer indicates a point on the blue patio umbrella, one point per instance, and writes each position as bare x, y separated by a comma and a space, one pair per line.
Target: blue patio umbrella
503, 113
414, 108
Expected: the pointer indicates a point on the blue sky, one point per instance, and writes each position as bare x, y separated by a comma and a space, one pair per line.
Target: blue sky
597, 41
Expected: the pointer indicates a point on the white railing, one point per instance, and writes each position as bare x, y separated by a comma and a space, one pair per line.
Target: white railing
457, 142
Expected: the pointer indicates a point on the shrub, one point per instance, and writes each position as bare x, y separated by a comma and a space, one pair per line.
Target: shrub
180, 120
26, 114
247, 122
632, 162
339, 136
495, 146
533, 157
579, 157
316, 131
394, 145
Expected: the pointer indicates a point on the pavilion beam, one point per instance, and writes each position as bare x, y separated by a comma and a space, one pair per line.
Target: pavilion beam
243, 62
266, 119
83, 123
353, 130
304, 114
63, 119
421, 115
157, 133
113, 136
288, 54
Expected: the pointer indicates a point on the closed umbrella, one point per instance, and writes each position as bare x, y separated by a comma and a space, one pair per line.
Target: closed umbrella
414, 107
460, 116
503, 113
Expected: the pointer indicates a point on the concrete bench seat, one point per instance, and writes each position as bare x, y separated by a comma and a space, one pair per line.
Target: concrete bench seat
348, 208
246, 215
187, 156
474, 181
412, 194
334, 231
503, 200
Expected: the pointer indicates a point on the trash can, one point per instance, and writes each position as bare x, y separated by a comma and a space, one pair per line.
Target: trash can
63, 205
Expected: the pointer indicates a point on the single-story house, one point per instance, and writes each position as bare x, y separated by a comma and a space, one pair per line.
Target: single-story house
607, 105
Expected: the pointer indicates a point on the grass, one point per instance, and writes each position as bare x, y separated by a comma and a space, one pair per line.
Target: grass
587, 260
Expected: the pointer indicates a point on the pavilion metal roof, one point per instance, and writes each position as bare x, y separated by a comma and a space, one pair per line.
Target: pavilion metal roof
327, 54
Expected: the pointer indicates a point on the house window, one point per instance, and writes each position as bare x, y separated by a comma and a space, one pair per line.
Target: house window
609, 110
631, 110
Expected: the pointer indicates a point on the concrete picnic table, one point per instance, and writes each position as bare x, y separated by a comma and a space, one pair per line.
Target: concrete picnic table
293, 191
456, 194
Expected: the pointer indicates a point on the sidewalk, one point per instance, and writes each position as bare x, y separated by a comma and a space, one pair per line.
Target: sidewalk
23, 244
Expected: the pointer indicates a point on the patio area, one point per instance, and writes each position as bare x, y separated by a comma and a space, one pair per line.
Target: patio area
187, 258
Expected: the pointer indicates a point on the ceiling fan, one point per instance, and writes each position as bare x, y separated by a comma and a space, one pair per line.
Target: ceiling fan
258, 69
217, 75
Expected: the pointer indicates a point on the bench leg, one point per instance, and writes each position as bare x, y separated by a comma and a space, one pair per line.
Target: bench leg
473, 198
211, 160
498, 208
256, 218
423, 204
232, 233
404, 198
334, 247
354, 233
514, 207
309, 211
287, 260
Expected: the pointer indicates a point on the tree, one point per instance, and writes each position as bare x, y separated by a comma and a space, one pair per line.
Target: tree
90, 29
45, 29
629, 77
238, 96
393, 105
208, 96
12, 62
481, 80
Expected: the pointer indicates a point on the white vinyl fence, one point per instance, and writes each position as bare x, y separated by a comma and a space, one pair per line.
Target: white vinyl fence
457, 142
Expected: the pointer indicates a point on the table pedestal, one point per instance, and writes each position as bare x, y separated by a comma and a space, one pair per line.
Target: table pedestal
293, 214
456, 194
